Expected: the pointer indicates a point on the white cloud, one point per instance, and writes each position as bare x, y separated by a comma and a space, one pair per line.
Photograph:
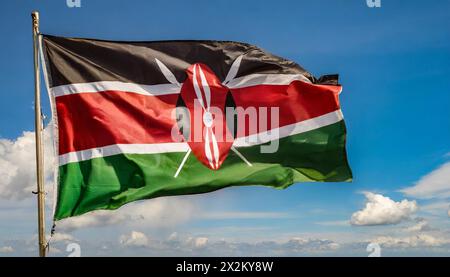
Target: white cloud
92, 219
433, 185
420, 226
201, 245
18, 166
302, 245
135, 238
198, 242
61, 237
420, 240
153, 213
6, 249
173, 237
381, 210
139, 239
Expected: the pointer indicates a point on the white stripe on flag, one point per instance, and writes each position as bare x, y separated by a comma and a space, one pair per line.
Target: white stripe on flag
266, 79
290, 130
163, 89
94, 87
115, 149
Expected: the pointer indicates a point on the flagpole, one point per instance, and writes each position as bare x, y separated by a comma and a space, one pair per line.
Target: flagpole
38, 133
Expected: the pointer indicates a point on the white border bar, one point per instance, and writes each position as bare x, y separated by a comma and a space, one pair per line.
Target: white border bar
115, 149
94, 87
266, 79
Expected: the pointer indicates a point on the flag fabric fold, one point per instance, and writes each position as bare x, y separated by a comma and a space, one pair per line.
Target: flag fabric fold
138, 120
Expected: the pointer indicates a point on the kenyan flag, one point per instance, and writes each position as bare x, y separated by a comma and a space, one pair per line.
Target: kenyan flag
138, 120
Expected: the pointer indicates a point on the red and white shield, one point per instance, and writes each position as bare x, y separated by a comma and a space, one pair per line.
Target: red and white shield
205, 98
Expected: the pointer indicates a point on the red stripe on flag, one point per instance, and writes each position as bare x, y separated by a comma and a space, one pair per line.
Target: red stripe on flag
297, 102
89, 120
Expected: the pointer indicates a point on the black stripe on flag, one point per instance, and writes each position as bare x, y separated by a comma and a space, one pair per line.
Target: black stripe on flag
79, 60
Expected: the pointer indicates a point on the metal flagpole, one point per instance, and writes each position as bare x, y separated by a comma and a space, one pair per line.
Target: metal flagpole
38, 133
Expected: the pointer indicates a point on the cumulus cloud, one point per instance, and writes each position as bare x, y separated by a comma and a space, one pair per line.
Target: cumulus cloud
198, 242
18, 166
135, 238
381, 210
433, 185
154, 213
6, 249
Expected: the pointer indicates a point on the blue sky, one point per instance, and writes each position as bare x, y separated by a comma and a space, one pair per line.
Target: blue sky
393, 62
